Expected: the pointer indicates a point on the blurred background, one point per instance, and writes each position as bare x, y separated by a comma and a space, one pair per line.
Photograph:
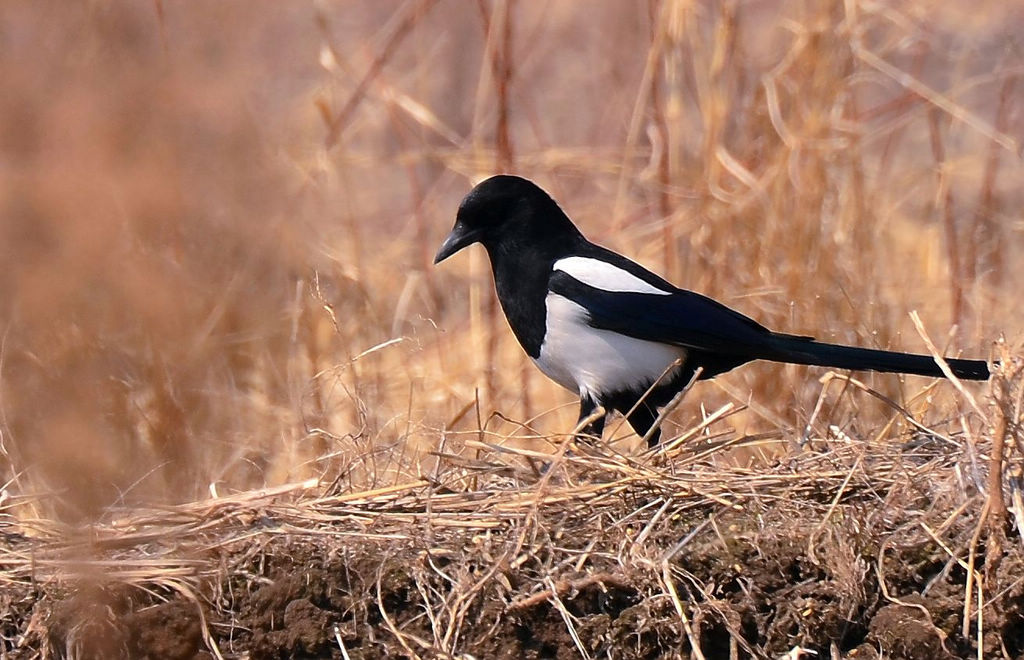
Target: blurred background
217, 219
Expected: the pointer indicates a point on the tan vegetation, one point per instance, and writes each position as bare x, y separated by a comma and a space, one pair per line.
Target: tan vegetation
224, 346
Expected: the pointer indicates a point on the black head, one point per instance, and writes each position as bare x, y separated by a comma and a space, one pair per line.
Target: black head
507, 211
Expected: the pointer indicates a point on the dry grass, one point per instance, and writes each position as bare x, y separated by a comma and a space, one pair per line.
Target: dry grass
495, 539
217, 226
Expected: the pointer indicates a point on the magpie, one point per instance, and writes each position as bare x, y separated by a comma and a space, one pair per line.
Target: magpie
616, 334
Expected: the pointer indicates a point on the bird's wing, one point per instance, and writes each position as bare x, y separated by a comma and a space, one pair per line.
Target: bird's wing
682, 318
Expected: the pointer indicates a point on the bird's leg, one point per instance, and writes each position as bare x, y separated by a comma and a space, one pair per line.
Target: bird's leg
593, 429
642, 419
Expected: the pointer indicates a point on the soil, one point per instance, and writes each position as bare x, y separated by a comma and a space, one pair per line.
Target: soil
747, 592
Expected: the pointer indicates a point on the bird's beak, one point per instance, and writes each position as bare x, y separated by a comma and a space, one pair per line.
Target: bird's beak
459, 238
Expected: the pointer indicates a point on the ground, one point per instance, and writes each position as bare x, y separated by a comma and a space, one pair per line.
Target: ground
850, 562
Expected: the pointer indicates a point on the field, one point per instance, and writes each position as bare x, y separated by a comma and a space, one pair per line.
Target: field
243, 416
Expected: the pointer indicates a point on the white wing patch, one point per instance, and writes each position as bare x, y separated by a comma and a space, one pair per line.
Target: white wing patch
585, 359
602, 275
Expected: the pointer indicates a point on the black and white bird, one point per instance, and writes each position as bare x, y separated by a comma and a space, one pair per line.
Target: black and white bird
611, 331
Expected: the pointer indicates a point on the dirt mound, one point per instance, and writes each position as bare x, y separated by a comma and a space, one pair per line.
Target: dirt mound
845, 553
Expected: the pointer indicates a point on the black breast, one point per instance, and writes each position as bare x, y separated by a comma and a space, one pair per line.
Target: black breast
521, 280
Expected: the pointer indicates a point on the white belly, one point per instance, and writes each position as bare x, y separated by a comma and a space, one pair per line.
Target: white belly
587, 360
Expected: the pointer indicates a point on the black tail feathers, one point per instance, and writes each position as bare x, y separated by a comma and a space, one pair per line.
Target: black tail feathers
799, 350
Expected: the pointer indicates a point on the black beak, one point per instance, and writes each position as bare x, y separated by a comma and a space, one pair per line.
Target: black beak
459, 238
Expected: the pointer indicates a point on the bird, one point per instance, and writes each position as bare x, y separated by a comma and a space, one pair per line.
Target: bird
619, 336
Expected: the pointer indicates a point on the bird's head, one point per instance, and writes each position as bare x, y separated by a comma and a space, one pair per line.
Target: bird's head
505, 209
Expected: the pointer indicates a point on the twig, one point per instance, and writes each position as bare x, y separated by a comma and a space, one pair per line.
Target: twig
935, 98
567, 618
666, 579
562, 587
412, 13
341, 643
944, 366
671, 406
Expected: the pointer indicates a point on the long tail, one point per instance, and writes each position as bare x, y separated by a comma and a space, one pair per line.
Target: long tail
801, 350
